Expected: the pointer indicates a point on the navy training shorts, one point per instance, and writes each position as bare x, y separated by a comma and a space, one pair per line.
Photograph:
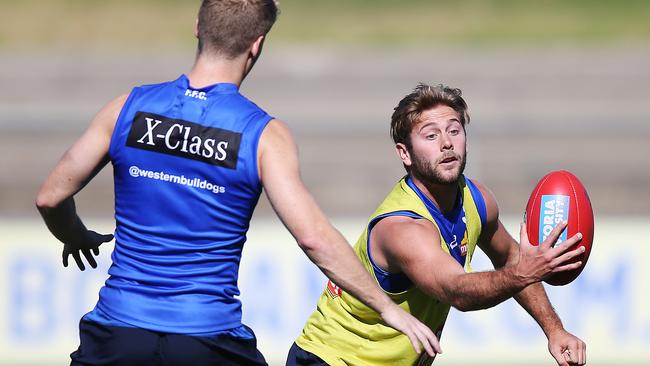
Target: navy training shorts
109, 345
299, 357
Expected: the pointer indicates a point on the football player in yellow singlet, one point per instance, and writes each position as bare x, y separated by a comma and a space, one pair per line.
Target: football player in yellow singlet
418, 246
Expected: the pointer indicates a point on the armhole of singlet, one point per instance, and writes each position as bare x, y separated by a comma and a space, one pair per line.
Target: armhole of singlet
119, 122
254, 173
478, 201
390, 282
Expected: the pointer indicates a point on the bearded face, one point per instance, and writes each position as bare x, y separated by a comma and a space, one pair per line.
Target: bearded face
436, 152
445, 170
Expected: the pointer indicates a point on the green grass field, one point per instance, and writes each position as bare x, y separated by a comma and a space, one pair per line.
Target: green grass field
29, 24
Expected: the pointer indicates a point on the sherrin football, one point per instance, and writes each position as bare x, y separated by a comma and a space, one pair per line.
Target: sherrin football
561, 196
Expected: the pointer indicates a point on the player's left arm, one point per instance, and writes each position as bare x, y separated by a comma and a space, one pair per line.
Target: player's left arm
80, 163
502, 249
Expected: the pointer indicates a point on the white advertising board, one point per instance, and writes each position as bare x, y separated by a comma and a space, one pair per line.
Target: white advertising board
607, 306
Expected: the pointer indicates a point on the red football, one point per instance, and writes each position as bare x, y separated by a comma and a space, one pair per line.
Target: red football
560, 196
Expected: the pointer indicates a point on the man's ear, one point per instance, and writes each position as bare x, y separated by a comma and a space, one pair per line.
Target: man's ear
256, 48
196, 28
403, 154
253, 54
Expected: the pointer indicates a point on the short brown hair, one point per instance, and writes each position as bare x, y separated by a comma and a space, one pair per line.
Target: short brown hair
229, 27
424, 97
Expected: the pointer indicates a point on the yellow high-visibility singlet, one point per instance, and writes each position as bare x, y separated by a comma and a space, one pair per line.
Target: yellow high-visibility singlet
343, 331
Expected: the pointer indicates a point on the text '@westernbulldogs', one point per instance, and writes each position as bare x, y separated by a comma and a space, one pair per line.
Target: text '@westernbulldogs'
185, 139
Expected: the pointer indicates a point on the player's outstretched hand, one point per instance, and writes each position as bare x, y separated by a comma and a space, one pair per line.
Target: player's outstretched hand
88, 245
538, 262
567, 349
419, 334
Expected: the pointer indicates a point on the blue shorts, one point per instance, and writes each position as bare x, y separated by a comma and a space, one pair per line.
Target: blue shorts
299, 357
123, 346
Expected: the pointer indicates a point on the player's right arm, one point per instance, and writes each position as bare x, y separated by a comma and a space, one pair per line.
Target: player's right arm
322, 243
403, 244
80, 163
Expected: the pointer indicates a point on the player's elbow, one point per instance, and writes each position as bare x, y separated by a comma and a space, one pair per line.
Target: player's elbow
321, 244
467, 303
321, 249
45, 200
462, 306
312, 245
460, 301
457, 302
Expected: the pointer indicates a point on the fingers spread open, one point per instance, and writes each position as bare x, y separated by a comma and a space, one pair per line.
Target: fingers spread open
567, 267
554, 235
523, 234
77, 259
564, 258
569, 243
89, 258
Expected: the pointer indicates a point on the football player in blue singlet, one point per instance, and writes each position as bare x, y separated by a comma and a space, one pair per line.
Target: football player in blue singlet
190, 158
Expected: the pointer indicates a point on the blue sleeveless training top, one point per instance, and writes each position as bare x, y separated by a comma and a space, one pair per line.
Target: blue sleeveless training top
186, 184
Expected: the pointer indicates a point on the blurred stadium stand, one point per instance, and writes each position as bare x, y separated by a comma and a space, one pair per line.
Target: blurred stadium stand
532, 111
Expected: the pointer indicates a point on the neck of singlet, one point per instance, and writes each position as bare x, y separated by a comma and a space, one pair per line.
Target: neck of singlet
431, 206
451, 225
183, 82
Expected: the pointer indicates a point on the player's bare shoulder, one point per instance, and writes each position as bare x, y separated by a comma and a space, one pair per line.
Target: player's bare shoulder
276, 135
276, 149
106, 118
399, 224
276, 127
401, 238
